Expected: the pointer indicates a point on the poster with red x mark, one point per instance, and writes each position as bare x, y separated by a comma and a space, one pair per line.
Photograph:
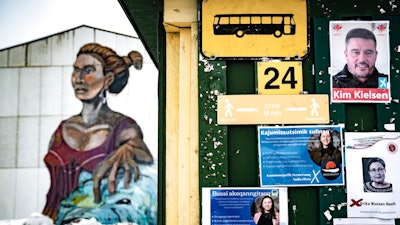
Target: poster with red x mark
373, 183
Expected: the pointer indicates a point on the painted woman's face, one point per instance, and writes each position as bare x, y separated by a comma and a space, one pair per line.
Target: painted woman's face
87, 78
267, 204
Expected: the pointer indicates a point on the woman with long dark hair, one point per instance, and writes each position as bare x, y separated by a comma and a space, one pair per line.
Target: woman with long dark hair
266, 213
324, 149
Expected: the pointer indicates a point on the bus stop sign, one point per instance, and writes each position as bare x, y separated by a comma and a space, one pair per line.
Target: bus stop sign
257, 28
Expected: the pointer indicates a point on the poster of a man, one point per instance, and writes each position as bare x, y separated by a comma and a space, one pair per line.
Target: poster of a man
360, 61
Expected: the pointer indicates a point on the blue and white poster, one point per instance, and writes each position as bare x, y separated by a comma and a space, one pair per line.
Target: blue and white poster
244, 206
300, 155
372, 180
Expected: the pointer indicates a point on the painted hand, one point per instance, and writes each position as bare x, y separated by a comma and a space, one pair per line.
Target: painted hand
127, 156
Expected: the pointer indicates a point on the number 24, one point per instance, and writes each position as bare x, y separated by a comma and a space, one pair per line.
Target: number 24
288, 78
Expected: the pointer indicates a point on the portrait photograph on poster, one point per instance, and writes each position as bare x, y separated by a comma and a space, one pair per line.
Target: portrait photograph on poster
359, 61
300, 155
244, 206
373, 184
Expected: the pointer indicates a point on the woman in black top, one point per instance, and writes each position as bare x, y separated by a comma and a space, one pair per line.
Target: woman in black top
266, 214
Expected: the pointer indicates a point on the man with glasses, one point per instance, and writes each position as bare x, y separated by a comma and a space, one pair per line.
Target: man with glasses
377, 172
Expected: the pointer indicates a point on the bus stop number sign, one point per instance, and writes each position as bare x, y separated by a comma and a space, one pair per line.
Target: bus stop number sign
284, 77
235, 28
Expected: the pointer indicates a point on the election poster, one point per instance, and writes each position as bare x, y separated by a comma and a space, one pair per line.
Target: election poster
360, 61
300, 155
373, 182
244, 206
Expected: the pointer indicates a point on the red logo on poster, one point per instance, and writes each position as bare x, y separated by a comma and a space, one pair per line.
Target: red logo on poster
381, 27
337, 27
392, 147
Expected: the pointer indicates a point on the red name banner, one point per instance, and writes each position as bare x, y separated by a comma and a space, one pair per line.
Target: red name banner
360, 95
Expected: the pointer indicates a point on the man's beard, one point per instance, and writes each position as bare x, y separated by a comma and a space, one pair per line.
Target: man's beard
362, 65
361, 76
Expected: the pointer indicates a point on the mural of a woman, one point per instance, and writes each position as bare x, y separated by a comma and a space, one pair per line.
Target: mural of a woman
96, 143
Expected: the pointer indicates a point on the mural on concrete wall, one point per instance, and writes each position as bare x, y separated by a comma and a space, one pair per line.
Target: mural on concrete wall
99, 164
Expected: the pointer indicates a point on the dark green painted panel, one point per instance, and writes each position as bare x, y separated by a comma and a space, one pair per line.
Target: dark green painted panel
322, 62
361, 117
321, 52
303, 206
241, 77
388, 113
242, 139
213, 155
243, 156
351, 8
308, 74
333, 204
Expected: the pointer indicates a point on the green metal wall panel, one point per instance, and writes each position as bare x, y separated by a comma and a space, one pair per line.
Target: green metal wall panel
213, 155
320, 47
332, 204
242, 139
388, 113
303, 206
